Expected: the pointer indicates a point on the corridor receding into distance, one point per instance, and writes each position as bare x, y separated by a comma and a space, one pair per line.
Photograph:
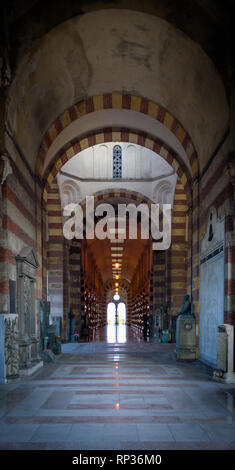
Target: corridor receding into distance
117, 225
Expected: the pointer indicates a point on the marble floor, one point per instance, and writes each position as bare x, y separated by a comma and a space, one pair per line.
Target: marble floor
118, 392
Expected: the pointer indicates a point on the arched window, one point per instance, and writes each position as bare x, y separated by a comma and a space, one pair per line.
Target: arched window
117, 161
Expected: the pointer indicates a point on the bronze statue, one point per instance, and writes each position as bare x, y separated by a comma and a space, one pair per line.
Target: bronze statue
186, 306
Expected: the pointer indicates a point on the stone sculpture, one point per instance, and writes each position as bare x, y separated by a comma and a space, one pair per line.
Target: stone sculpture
186, 332
186, 306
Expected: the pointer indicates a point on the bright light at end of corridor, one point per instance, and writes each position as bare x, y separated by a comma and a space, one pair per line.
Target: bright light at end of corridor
116, 297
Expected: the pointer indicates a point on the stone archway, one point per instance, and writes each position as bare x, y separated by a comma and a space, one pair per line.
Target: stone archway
116, 101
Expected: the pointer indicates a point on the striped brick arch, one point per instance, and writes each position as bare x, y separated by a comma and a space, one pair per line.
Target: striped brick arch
117, 101
54, 210
135, 103
114, 135
105, 194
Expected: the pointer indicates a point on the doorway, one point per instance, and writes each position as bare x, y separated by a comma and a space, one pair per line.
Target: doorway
116, 331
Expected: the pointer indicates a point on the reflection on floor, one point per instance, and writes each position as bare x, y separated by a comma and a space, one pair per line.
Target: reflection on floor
118, 392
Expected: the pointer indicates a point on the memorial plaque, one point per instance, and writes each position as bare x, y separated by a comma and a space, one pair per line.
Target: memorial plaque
211, 299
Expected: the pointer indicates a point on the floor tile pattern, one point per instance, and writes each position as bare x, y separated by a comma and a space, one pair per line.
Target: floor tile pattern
131, 395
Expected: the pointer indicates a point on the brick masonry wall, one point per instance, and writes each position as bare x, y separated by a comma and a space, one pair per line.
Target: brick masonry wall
169, 277
216, 190
55, 252
21, 226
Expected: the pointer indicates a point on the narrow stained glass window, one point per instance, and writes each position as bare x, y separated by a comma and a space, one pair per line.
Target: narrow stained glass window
117, 161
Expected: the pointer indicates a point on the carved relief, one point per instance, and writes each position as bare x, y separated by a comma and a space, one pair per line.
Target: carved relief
11, 348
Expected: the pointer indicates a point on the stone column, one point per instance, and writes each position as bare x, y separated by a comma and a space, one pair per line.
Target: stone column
9, 348
27, 264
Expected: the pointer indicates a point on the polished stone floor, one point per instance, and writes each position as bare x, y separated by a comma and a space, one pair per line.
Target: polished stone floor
118, 392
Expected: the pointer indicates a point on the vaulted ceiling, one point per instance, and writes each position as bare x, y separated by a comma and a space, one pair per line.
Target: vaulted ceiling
62, 52
205, 21
102, 251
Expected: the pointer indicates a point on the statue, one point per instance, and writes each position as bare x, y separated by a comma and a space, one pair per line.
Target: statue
186, 306
186, 332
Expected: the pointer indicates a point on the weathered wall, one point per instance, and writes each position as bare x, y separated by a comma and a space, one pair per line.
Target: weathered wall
140, 54
21, 223
216, 190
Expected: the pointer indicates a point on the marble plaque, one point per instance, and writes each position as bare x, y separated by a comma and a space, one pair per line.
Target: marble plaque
211, 288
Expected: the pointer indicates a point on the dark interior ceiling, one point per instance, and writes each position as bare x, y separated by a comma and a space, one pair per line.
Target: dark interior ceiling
208, 22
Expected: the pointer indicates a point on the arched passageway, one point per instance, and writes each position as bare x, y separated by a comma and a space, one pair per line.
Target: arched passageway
84, 129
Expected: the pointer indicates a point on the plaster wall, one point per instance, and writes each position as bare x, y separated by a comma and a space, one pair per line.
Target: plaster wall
137, 162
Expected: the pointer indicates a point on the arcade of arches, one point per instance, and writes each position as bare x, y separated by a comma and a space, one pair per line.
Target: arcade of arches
75, 83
